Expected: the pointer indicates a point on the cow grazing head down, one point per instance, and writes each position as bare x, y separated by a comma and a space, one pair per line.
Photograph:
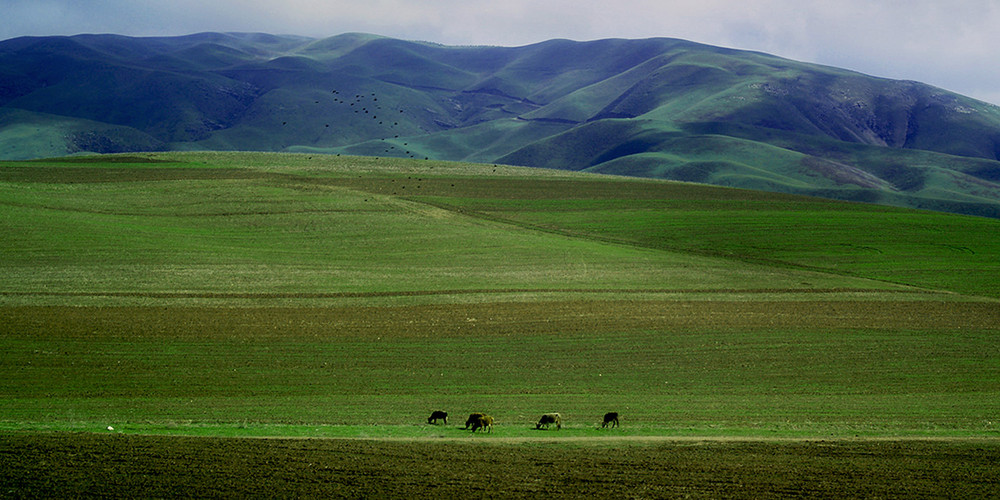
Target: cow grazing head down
438, 415
549, 419
610, 418
484, 422
473, 418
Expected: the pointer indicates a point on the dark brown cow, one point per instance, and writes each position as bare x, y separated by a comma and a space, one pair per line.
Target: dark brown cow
610, 418
473, 418
438, 415
548, 419
483, 422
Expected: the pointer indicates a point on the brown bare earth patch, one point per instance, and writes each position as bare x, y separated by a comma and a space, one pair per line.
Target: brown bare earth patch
88, 465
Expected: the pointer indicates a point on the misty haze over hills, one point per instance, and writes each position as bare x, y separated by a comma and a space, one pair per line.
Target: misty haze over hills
662, 108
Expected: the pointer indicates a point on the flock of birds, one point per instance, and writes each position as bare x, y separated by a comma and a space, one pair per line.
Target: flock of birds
367, 104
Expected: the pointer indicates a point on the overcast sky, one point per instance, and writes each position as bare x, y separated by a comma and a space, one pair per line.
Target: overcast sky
954, 44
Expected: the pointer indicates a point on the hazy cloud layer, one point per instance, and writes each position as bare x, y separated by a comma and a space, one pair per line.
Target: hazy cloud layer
950, 44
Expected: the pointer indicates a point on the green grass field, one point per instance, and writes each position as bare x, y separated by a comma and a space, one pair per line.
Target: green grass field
236, 294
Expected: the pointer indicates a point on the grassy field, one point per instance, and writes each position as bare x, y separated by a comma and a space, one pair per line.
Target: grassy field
670, 367
289, 296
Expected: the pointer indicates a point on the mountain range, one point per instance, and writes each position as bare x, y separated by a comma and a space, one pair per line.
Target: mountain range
662, 108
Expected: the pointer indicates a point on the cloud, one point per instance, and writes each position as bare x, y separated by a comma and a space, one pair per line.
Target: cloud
950, 44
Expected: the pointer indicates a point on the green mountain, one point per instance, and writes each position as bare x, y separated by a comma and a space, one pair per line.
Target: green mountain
662, 108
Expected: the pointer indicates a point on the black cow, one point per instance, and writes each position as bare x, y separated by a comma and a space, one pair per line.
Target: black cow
438, 415
610, 418
549, 418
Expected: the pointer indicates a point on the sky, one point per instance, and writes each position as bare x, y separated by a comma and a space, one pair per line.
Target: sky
953, 44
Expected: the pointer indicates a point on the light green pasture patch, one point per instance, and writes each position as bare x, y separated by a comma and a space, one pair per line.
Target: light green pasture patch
273, 236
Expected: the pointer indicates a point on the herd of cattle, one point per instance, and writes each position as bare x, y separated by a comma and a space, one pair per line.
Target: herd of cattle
484, 422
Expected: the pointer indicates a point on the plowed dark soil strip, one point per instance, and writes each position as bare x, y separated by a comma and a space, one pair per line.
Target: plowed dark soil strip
88, 465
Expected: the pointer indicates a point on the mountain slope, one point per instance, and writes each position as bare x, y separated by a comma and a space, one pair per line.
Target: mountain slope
657, 107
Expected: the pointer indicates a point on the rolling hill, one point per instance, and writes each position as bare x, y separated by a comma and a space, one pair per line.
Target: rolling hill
661, 108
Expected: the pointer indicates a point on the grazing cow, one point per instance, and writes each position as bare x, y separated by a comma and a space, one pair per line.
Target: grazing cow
548, 419
473, 418
610, 418
483, 422
438, 415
